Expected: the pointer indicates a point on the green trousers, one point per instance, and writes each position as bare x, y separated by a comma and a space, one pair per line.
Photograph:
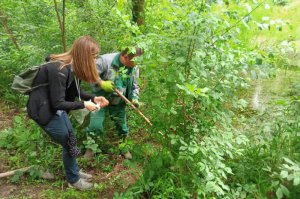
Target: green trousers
117, 114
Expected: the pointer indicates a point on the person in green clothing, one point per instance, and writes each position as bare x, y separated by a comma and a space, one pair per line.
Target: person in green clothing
120, 72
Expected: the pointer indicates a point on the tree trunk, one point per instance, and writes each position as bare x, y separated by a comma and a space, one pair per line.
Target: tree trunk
138, 14
8, 30
61, 24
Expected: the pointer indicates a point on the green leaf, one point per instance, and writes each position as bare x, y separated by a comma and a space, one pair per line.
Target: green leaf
173, 141
284, 174
182, 148
181, 87
275, 183
180, 60
279, 193
192, 149
163, 59
18, 119
210, 186
258, 61
243, 103
204, 90
296, 181
289, 161
281, 102
285, 190
15, 178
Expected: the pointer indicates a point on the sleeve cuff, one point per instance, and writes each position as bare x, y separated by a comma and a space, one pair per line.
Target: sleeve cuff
93, 99
82, 105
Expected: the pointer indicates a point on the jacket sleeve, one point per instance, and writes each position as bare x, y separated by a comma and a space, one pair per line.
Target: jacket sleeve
104, 70
135, 86
57, 79
86, 96
104, 66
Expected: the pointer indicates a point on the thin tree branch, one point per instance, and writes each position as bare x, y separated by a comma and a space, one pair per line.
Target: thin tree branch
61, 25
8, 30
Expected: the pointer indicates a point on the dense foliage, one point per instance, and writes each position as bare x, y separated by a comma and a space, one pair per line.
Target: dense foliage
199, 60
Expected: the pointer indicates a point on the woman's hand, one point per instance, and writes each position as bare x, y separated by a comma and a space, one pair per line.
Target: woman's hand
101, 101
91, 106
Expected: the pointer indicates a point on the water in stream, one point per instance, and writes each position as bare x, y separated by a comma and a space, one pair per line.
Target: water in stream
266, 92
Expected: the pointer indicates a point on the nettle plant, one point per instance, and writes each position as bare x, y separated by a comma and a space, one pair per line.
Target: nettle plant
30, 146
192, 67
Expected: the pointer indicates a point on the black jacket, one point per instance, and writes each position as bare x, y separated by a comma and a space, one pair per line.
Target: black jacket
60, 93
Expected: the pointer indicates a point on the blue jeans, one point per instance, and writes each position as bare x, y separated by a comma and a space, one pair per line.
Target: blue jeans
57, 129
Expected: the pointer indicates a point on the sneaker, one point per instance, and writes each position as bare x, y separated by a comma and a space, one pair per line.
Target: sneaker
127, 155
81, 184
87, 177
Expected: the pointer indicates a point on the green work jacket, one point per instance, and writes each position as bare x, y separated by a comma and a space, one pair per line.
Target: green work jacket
110, 68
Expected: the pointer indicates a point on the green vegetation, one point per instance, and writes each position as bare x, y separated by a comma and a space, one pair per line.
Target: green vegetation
220, 84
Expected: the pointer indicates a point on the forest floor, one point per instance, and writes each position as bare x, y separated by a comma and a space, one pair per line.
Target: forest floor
6, 115
106, 184
105, 187
264, 93
115, 177
261, 98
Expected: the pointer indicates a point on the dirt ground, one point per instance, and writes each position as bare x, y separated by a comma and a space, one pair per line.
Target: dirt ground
6, 115
36, 190
118, 179
115, 181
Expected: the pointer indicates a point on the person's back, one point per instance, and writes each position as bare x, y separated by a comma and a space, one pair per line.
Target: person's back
48, 105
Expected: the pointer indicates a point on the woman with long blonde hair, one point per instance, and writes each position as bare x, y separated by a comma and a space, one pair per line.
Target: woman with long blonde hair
48, 105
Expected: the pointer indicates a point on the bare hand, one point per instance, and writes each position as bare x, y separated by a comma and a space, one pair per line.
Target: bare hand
101, 101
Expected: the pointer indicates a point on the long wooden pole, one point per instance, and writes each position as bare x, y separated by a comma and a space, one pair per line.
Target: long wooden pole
133, 107
130, 104
10, 173
137, 110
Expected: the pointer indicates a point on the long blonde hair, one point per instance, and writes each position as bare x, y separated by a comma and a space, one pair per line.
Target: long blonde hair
82, 58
